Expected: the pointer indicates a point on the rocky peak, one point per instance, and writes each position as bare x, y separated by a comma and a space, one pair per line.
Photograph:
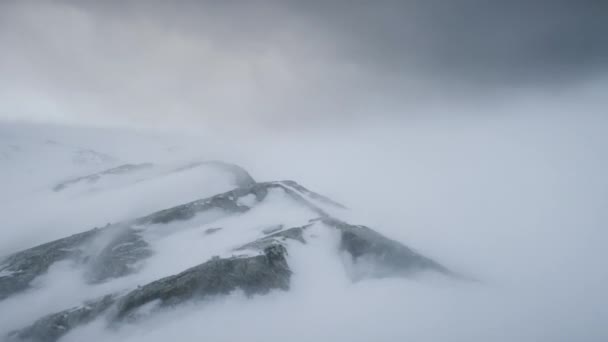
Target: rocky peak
253, 258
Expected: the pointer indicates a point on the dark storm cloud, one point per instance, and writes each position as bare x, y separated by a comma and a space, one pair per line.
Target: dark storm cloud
492, 38
264, 60
499, 40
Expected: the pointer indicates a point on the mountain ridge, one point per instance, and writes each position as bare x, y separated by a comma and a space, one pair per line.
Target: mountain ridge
249, 262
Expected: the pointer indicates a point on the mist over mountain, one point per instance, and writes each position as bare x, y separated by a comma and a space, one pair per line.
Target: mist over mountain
303, 171
489, 242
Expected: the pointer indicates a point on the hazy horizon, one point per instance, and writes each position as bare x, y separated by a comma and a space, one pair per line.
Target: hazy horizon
474, 132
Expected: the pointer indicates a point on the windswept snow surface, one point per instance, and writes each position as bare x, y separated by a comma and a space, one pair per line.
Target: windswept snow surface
523, 216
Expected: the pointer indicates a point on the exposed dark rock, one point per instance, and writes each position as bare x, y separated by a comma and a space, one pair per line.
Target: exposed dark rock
188, 211
288, 186
210, 231
119, 257
126, 168
116, 250
241, 177
21, 268
92, 178
253, 275
52, 327
312, 194
295, 233
228, 201
121, 249
120, 253
272, 229
388, 257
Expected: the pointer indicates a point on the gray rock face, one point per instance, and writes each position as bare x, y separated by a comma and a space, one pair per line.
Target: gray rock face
313, 195
116, 250
92, 178
387, 257
272, 229
184, 212
228, 202
241, 177
295, 233
122, 248
210, 231
52, 327
21, 268
253, 275
118, 257
119, 254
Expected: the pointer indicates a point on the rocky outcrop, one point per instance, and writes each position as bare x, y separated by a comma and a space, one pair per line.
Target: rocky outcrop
122, 246
252, 275
311, 194
111, 251
383, 257
104, 253
18, 270
260, 265
118, 256
92, 178
229, 202
52, 327
241, 177
295, 233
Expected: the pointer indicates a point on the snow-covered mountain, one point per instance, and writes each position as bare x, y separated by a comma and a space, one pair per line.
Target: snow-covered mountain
237, 240
377, 239
112, 242
67, 179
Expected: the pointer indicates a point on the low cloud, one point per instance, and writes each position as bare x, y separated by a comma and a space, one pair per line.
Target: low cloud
282, 64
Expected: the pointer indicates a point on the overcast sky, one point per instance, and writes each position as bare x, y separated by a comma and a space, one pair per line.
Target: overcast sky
273, 62
471, 130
